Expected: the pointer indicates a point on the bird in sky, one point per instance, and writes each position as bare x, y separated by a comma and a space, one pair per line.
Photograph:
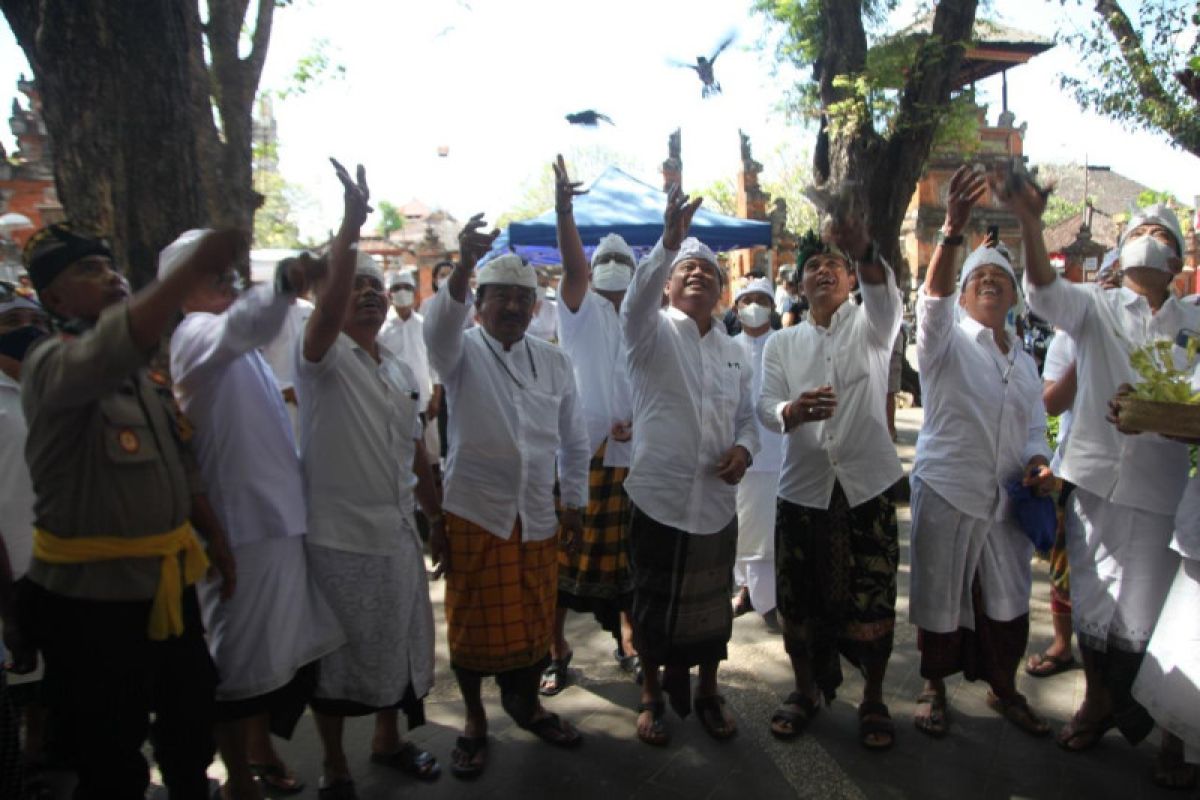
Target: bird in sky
704, 67
589, 118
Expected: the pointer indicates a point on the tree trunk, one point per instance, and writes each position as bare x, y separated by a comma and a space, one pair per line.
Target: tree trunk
115, 87
883, 171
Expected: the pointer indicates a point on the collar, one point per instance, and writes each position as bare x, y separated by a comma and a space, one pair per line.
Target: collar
843, 311
675, 314
496, 345
981, 333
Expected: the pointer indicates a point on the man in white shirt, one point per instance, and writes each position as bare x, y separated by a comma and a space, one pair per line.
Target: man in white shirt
595, 577
266, 639
1127, 487
985, 428
544, 324
363, 462
694, 438
403, 333
759, 488
837, 549
513, 412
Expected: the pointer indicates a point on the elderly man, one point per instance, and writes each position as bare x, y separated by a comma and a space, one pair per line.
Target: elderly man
1127, 488
595, 577
984, 427
694, 439
756, 494
513, 406
266, 639
836, 541
363, 461
110, 596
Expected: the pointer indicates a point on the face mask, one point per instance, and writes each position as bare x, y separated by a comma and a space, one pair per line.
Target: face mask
611, 276
16, 343
754, 315
1146, 251
403, 297
542, 291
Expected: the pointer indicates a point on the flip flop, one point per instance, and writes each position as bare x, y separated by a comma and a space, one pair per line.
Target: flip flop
795, 721
875, 720
1041, 665
1080, 734
657, 734
936, 724
277, 779
469, 757
711, 711
556, 731
410, 760
555, 677
1017, 711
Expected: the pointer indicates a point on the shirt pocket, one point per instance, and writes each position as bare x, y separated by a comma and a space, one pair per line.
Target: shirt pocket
540, 424
128, 437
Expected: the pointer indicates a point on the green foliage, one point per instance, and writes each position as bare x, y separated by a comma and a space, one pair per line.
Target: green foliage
274, 225
1053, 425
390, 218
1152, 196
1059, 209
313, 69
1130, 78
720, 195
789, 173
1161, 379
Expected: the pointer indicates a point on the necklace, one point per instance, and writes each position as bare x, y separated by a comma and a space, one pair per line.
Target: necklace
504, 366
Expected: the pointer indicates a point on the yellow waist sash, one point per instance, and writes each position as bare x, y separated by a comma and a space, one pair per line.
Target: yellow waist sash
166, 614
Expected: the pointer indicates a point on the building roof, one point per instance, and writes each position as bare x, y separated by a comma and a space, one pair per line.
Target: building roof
994, 47
1111, 192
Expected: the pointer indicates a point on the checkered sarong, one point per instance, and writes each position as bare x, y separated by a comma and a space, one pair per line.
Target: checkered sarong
599, 570
500, 598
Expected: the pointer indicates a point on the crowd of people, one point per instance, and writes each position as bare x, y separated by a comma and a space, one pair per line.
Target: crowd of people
203, 539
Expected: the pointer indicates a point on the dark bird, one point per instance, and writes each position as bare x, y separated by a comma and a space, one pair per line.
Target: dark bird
704, 67
589, 118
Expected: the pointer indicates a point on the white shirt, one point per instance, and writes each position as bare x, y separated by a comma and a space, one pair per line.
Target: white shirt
280, 352
853, 355
1060, 355
359, 426
770, 443
592, 338
244, 440
1147, 471
510, 413
16, 488
984, 418
544, 324
691, 405
406, 339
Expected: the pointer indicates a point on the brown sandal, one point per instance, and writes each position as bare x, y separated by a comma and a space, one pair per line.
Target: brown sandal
936, 724
1017, 711
1081, 734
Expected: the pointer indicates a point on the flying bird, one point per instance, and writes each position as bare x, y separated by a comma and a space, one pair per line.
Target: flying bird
704, 67
589, 118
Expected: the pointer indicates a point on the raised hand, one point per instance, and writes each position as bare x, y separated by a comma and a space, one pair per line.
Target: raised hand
218, 250
565, 191
846, 230
1017, 190
967, 188
473, 242
356, 195
814, 406
677, 219
304, 271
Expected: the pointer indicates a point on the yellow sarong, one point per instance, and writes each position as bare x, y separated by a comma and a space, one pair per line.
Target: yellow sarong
166, 614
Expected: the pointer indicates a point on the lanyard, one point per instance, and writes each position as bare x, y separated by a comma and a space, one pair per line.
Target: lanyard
504, 366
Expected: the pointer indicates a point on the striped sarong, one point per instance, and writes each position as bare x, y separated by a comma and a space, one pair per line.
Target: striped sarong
681, 585
500, 598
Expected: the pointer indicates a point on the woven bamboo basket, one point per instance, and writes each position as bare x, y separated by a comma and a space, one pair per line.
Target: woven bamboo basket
1153, 416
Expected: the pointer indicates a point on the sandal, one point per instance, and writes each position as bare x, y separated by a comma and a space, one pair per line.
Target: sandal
1041, 665
656, 732
874, 720
787, 723
277, 778
411, 761
469, 757
556, 731
554, 678
936, 722
677, 683
1081, 734
741, 603
711, 711
1017, 711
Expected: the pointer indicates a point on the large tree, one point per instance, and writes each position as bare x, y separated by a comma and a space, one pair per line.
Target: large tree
148, 104
879, 118
1135, 66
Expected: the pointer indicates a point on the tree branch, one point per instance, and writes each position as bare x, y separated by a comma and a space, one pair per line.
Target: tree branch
1130, 46
253, 63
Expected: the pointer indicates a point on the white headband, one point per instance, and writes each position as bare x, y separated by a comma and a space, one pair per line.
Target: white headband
613, 243
756, 286
984, 255
179, 251
507, 269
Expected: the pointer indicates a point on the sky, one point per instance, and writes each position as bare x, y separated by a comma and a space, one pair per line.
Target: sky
492, 79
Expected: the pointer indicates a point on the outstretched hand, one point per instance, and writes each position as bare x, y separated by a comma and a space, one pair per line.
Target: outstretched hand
356, 195
847, 231
677, 219
1017, 190
565, 190
473, 242
967, 188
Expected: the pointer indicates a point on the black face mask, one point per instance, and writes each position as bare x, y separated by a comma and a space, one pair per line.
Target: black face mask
16, 343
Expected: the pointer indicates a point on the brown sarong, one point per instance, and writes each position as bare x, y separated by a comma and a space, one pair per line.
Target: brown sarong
500, 598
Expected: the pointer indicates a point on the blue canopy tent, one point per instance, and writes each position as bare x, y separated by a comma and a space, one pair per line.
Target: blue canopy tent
616, 202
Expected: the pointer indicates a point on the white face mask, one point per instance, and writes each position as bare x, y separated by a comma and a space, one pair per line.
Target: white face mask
403, 297
611, 276
754, 315
542, 291
1146, 251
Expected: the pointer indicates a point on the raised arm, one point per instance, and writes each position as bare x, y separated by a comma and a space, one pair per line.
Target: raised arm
574, 284
967, 187
1028, 202
333, 295
444, 321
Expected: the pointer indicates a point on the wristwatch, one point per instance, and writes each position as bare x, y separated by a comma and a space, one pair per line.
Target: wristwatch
869, 257
948, 239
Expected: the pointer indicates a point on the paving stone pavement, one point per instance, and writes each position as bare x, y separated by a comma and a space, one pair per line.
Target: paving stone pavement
982, 757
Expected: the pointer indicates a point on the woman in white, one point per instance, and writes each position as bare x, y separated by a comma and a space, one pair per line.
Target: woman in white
984, 426
754, 570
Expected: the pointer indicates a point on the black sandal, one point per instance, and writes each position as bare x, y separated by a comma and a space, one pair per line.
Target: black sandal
556, 731
554, 678
469, 757
874, 719
796, 721
658, 735
410, 760
711, 711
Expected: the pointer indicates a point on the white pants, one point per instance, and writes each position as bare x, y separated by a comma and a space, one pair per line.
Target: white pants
758, 576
